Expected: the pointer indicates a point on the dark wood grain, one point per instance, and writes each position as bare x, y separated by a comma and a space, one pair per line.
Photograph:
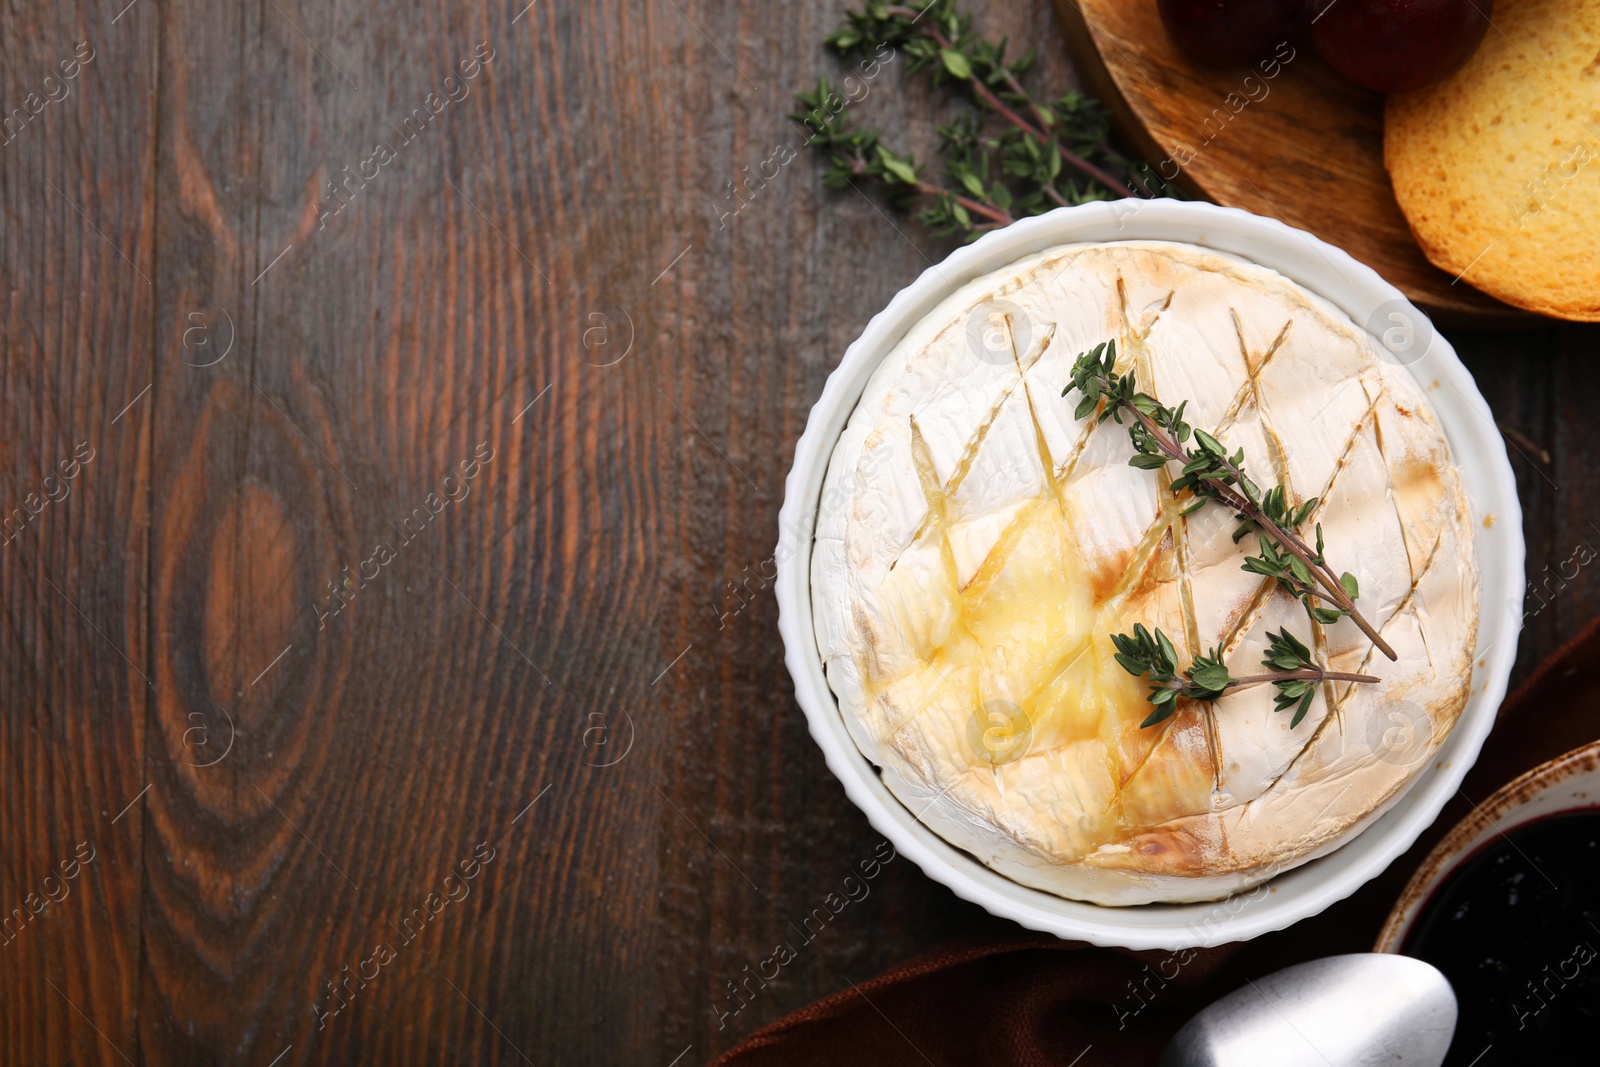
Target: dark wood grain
77, 259
574, 666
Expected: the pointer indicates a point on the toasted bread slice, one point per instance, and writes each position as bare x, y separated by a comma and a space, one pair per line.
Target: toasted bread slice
1497, 167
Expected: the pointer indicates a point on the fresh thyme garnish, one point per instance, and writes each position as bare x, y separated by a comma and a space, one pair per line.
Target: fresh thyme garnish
1048, 153
1159, 435
1294, 672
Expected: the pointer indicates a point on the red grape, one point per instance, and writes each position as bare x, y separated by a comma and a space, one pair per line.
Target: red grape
1396, 45
1228, 31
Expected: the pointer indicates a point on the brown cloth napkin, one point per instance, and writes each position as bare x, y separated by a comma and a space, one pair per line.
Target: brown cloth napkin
1030, 999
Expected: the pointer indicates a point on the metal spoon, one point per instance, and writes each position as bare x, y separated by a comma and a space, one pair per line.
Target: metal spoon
1368, 1008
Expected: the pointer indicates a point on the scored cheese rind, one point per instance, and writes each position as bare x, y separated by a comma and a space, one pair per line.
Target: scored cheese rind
976, 546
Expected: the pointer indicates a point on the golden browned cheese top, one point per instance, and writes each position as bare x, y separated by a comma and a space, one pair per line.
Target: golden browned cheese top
976, 547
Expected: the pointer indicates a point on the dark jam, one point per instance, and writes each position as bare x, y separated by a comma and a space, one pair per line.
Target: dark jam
1516, 929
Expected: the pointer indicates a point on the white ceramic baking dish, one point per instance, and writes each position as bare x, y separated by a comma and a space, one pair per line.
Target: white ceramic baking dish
1476, 447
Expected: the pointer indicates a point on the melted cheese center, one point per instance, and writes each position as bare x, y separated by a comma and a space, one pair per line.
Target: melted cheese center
1020, 652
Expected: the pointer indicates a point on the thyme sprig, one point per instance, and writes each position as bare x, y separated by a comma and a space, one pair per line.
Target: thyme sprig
858, 153
1046, 154
935, 36
1294, 672
1210, 473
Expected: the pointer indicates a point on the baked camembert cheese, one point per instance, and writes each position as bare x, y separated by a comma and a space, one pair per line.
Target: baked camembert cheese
976, 546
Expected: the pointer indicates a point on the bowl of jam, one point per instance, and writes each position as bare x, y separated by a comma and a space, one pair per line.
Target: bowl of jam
1507, 906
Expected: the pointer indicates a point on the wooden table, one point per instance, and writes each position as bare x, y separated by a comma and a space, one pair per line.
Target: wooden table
406, 587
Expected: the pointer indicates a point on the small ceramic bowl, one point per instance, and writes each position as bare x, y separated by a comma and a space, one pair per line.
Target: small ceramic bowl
1475, 444
1566, 783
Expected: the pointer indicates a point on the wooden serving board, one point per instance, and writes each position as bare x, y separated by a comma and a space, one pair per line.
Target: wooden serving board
1290, 139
